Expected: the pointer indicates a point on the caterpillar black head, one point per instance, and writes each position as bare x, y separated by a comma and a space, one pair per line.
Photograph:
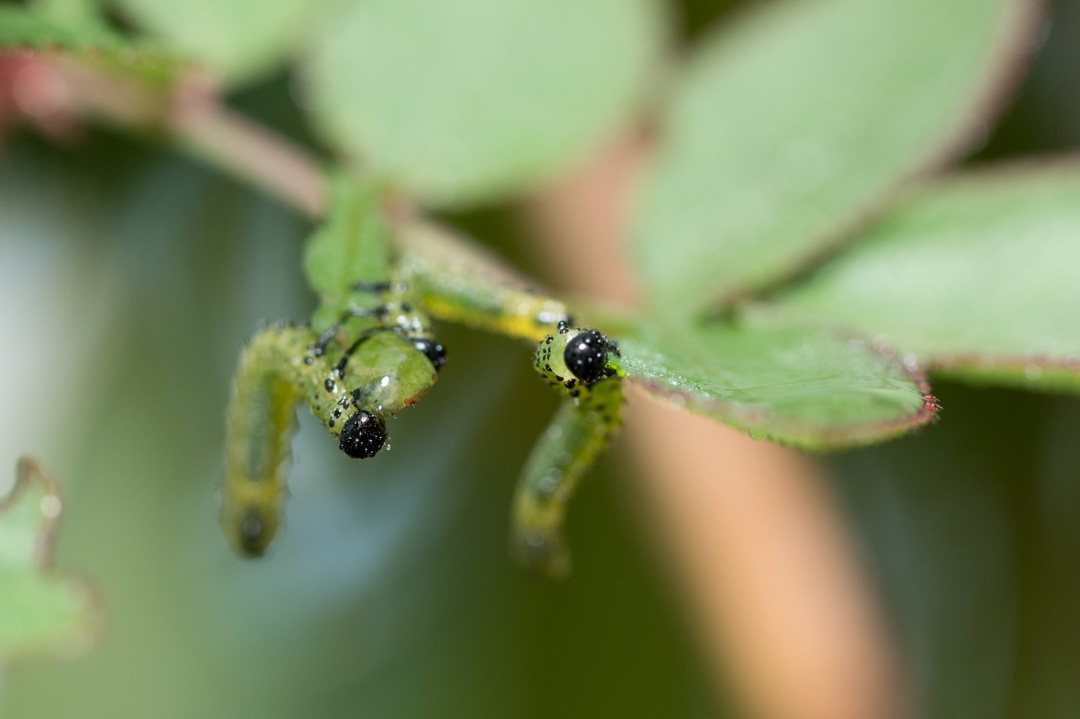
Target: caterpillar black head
363, 435
586, 355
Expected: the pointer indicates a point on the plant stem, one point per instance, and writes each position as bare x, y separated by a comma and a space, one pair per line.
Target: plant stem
239, 146
192, 115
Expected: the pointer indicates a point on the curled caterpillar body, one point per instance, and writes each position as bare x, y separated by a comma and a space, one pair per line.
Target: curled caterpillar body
375, 353
578, 362
281, 368
261, 422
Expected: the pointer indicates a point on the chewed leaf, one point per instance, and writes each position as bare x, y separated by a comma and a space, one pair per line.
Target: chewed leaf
462, 101
975, 275
43, 613
794, 383
794, 125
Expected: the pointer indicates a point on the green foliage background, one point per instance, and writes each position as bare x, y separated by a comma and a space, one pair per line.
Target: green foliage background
395, 594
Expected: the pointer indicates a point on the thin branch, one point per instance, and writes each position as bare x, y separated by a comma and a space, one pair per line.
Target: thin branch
193, 116
236, 144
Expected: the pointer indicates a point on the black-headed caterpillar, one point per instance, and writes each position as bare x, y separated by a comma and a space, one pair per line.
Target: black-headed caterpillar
370, 351
577, 362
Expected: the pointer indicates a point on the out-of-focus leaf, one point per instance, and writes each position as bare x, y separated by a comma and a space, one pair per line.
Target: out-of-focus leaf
460, 101
42, 613
794, 124
236, 39
21, 27
86, 40
793, 383
976, 275
87, 15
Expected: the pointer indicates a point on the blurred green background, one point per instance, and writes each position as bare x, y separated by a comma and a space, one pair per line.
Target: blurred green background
393, 592
129, 279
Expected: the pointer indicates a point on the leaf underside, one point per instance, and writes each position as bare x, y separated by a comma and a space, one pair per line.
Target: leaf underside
791, 382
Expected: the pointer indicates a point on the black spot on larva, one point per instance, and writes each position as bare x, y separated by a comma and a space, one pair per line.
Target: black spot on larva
363, 435
329, 385
309, 360
432, 350
586, 356
570, 383
406, 307
331, 421
337, 412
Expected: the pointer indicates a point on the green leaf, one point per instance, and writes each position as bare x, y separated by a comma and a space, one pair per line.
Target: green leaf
42, 613
351, 246
791, 382
20, 27
86, 15
976, 274
236, 39
793, 125
460, 101
86, 39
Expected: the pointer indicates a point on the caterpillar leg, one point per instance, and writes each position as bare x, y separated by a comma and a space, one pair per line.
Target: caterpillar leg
577, 363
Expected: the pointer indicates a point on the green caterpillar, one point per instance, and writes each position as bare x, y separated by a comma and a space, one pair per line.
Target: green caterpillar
370, 351
578, 362
351, 389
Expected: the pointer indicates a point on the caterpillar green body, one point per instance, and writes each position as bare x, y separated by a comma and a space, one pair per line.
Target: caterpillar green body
459, 282
282, 367
370, 350
577, 362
